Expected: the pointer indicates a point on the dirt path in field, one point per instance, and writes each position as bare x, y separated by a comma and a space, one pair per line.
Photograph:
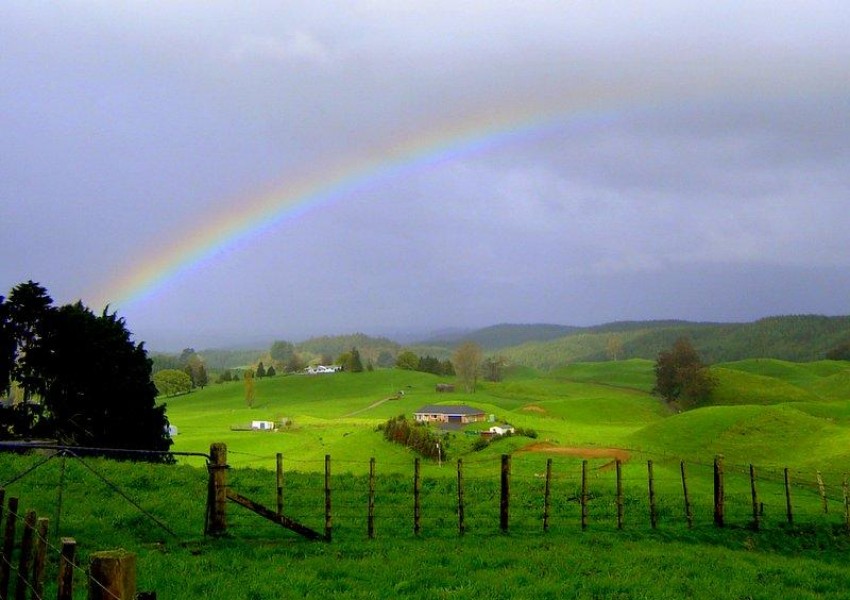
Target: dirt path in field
550, 448
370, 407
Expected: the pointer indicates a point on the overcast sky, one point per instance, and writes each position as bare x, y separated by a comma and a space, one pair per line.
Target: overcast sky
562, 162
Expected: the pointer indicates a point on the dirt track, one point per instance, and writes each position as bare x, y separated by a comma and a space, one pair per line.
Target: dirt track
550, 448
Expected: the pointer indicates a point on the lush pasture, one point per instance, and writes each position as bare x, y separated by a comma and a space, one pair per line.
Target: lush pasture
795, 415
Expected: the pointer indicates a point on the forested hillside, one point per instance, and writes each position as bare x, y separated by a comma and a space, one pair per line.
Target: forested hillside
794, 338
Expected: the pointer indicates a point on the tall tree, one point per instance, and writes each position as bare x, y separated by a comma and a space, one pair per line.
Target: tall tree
281, 350
261, 370
355, 364
494, 367
92, 382
681, 377
467, 364
614, 347
248, 380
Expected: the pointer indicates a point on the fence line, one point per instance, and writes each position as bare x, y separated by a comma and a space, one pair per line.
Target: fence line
505, 501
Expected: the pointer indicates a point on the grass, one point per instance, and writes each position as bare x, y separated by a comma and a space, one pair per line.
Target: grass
795, 416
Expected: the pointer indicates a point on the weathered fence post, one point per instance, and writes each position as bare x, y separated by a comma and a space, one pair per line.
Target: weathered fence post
653, 516
112, 575
583, 497
822, 490
789, 513
547, 492
756, 511
719, 493
40, 557
25, 557
217, 494
370, 526
461, 525
689, 511
505, 498
279, 482
417, 485
65, 589
846, 490
328, 517
8, 547
620, 504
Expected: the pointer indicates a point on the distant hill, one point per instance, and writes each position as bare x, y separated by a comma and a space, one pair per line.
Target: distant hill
793, 338
502, 336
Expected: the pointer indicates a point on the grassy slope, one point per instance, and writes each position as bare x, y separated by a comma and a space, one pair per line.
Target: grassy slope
599, 405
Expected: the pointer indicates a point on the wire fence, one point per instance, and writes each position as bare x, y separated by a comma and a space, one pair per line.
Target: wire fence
547, 495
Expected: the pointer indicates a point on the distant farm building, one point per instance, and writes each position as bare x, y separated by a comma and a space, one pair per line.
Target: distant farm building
460, 414
262, 425
503, 429
322, 369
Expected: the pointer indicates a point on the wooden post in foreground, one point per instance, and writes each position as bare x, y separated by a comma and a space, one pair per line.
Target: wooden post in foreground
65, 590
328, 517
417, 485
620, 504
822, 490
25, 559
754, 494
40, 557
846, 505
719, 493
505, 497
8, 547
583, 497
461, 522
789, 513
279, 482
689, 511
217, 496
112, 575
370, 525
547, 492
653, 515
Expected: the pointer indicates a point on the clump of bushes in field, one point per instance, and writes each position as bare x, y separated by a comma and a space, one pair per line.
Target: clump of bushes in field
416, 436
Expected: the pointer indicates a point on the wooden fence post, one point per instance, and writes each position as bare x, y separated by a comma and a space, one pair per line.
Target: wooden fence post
40, 557
328, 515
583, 497
417, 488
8, 547
653, 516
370, 526
112, 575
65, 590
505, 498
689, 511
789, 513
25, 557
846, 505
547, 492
620, 503
822, 490
719, 493
756, 512
217, 495
461, 525
279, 482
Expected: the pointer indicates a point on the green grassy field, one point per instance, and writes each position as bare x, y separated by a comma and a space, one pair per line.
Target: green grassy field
770, 413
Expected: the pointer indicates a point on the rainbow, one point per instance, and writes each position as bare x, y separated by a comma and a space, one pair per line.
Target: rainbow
290, 199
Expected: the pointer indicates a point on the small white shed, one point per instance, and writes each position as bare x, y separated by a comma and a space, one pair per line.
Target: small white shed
262, 425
